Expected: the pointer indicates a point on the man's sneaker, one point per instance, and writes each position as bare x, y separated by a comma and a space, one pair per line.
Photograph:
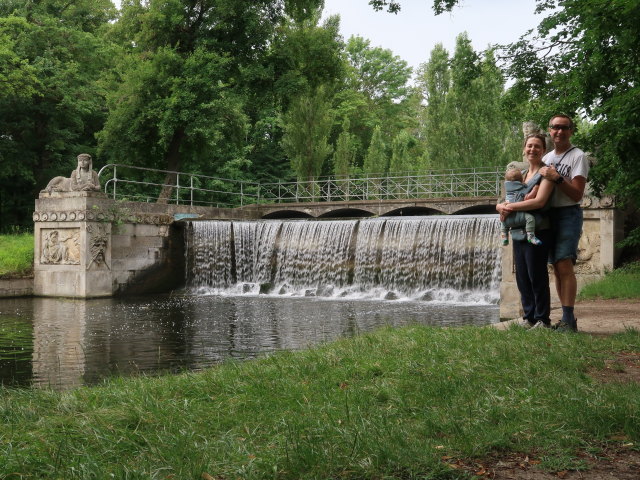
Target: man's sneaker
524, 323
566, 327
541, 324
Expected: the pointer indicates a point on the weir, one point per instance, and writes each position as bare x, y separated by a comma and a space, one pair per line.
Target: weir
450, 259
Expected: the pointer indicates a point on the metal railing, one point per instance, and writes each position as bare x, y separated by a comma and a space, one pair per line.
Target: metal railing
473, 182
147, 185
141, 184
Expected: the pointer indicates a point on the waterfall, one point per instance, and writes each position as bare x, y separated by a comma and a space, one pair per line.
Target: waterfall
442, 259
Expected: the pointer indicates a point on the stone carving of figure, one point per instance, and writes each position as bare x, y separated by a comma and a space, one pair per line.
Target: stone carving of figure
53, 250
83, 178
98, 246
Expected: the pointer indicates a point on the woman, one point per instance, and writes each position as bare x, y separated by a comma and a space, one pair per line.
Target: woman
530, 260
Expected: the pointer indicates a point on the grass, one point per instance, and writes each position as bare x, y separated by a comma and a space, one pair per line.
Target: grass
407, 403
623, 283
16, 254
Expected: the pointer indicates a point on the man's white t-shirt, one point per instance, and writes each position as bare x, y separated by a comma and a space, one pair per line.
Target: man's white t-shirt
574, 164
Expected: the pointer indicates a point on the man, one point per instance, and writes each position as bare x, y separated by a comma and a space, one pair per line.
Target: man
568, 167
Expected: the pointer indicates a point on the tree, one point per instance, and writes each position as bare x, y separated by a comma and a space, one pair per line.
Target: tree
52, 61
376, 92
402, 160
345, 152
375, 162
307, 126
304, 54
464, 121
189, 71
434, 77
376, 71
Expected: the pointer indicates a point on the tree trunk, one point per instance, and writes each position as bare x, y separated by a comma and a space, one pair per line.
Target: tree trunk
173, 162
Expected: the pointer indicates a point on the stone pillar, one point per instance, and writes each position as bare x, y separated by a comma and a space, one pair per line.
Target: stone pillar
72, 252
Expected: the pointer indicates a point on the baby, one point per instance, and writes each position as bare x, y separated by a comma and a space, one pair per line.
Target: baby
516, 190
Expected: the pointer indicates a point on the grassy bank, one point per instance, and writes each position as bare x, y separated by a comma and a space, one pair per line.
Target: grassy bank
16, 254
623, 282
407, 403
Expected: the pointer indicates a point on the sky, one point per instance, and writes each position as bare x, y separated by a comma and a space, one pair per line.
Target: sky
412, 33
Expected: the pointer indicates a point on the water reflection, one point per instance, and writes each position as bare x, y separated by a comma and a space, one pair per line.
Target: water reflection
61, 343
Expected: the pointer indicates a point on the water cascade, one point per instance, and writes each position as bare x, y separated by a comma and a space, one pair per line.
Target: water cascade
443, 259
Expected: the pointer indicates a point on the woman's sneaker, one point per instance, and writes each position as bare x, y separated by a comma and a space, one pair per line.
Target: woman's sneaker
541, 324
526, 324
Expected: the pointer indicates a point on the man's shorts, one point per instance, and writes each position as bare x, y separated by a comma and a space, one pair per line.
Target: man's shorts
566, 223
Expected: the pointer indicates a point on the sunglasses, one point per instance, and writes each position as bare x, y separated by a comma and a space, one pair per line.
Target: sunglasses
559, 127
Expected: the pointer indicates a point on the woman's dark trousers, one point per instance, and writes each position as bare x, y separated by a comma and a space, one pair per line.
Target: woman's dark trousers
532, 277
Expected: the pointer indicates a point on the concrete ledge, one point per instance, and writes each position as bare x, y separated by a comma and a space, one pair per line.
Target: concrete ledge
16, 287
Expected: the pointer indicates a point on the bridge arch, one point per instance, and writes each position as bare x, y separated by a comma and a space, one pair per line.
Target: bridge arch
286, 214
411, 212
347, 213
477, 210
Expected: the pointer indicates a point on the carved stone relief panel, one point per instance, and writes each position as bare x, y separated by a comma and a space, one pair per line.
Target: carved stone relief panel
98, 241
589, 249
60, 246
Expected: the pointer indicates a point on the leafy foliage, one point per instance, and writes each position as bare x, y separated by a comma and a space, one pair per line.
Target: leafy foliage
307, 126
464, 121
345, 152
376, 159
584, 60
52, 59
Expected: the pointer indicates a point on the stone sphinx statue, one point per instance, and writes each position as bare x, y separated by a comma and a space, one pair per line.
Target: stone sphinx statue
82, 179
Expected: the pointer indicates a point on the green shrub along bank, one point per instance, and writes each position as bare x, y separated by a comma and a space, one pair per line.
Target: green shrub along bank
16, 254
403, 403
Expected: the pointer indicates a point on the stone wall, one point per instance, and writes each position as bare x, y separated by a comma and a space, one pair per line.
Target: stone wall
87, 245
16, 287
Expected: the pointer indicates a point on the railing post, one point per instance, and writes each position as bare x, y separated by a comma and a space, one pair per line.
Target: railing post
115, 180
241, 194
191, 194
177, 188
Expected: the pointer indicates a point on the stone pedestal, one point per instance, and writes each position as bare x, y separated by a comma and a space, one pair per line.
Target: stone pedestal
72, 254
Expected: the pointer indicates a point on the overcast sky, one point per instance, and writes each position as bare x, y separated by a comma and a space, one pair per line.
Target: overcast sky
412, 33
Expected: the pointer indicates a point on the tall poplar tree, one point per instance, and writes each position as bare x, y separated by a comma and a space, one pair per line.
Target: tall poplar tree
307, 125
345, 152
376, 160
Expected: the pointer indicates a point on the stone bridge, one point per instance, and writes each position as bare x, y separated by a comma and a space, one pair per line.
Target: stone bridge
370, 208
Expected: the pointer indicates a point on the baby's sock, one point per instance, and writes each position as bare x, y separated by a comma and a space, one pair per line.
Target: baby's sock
533, 240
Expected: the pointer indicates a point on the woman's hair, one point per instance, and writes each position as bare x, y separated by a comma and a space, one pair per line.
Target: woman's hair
540, 136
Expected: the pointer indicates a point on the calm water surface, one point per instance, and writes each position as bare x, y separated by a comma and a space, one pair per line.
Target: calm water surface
62, 343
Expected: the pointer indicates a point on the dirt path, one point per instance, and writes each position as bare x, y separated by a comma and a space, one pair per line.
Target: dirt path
599, 316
